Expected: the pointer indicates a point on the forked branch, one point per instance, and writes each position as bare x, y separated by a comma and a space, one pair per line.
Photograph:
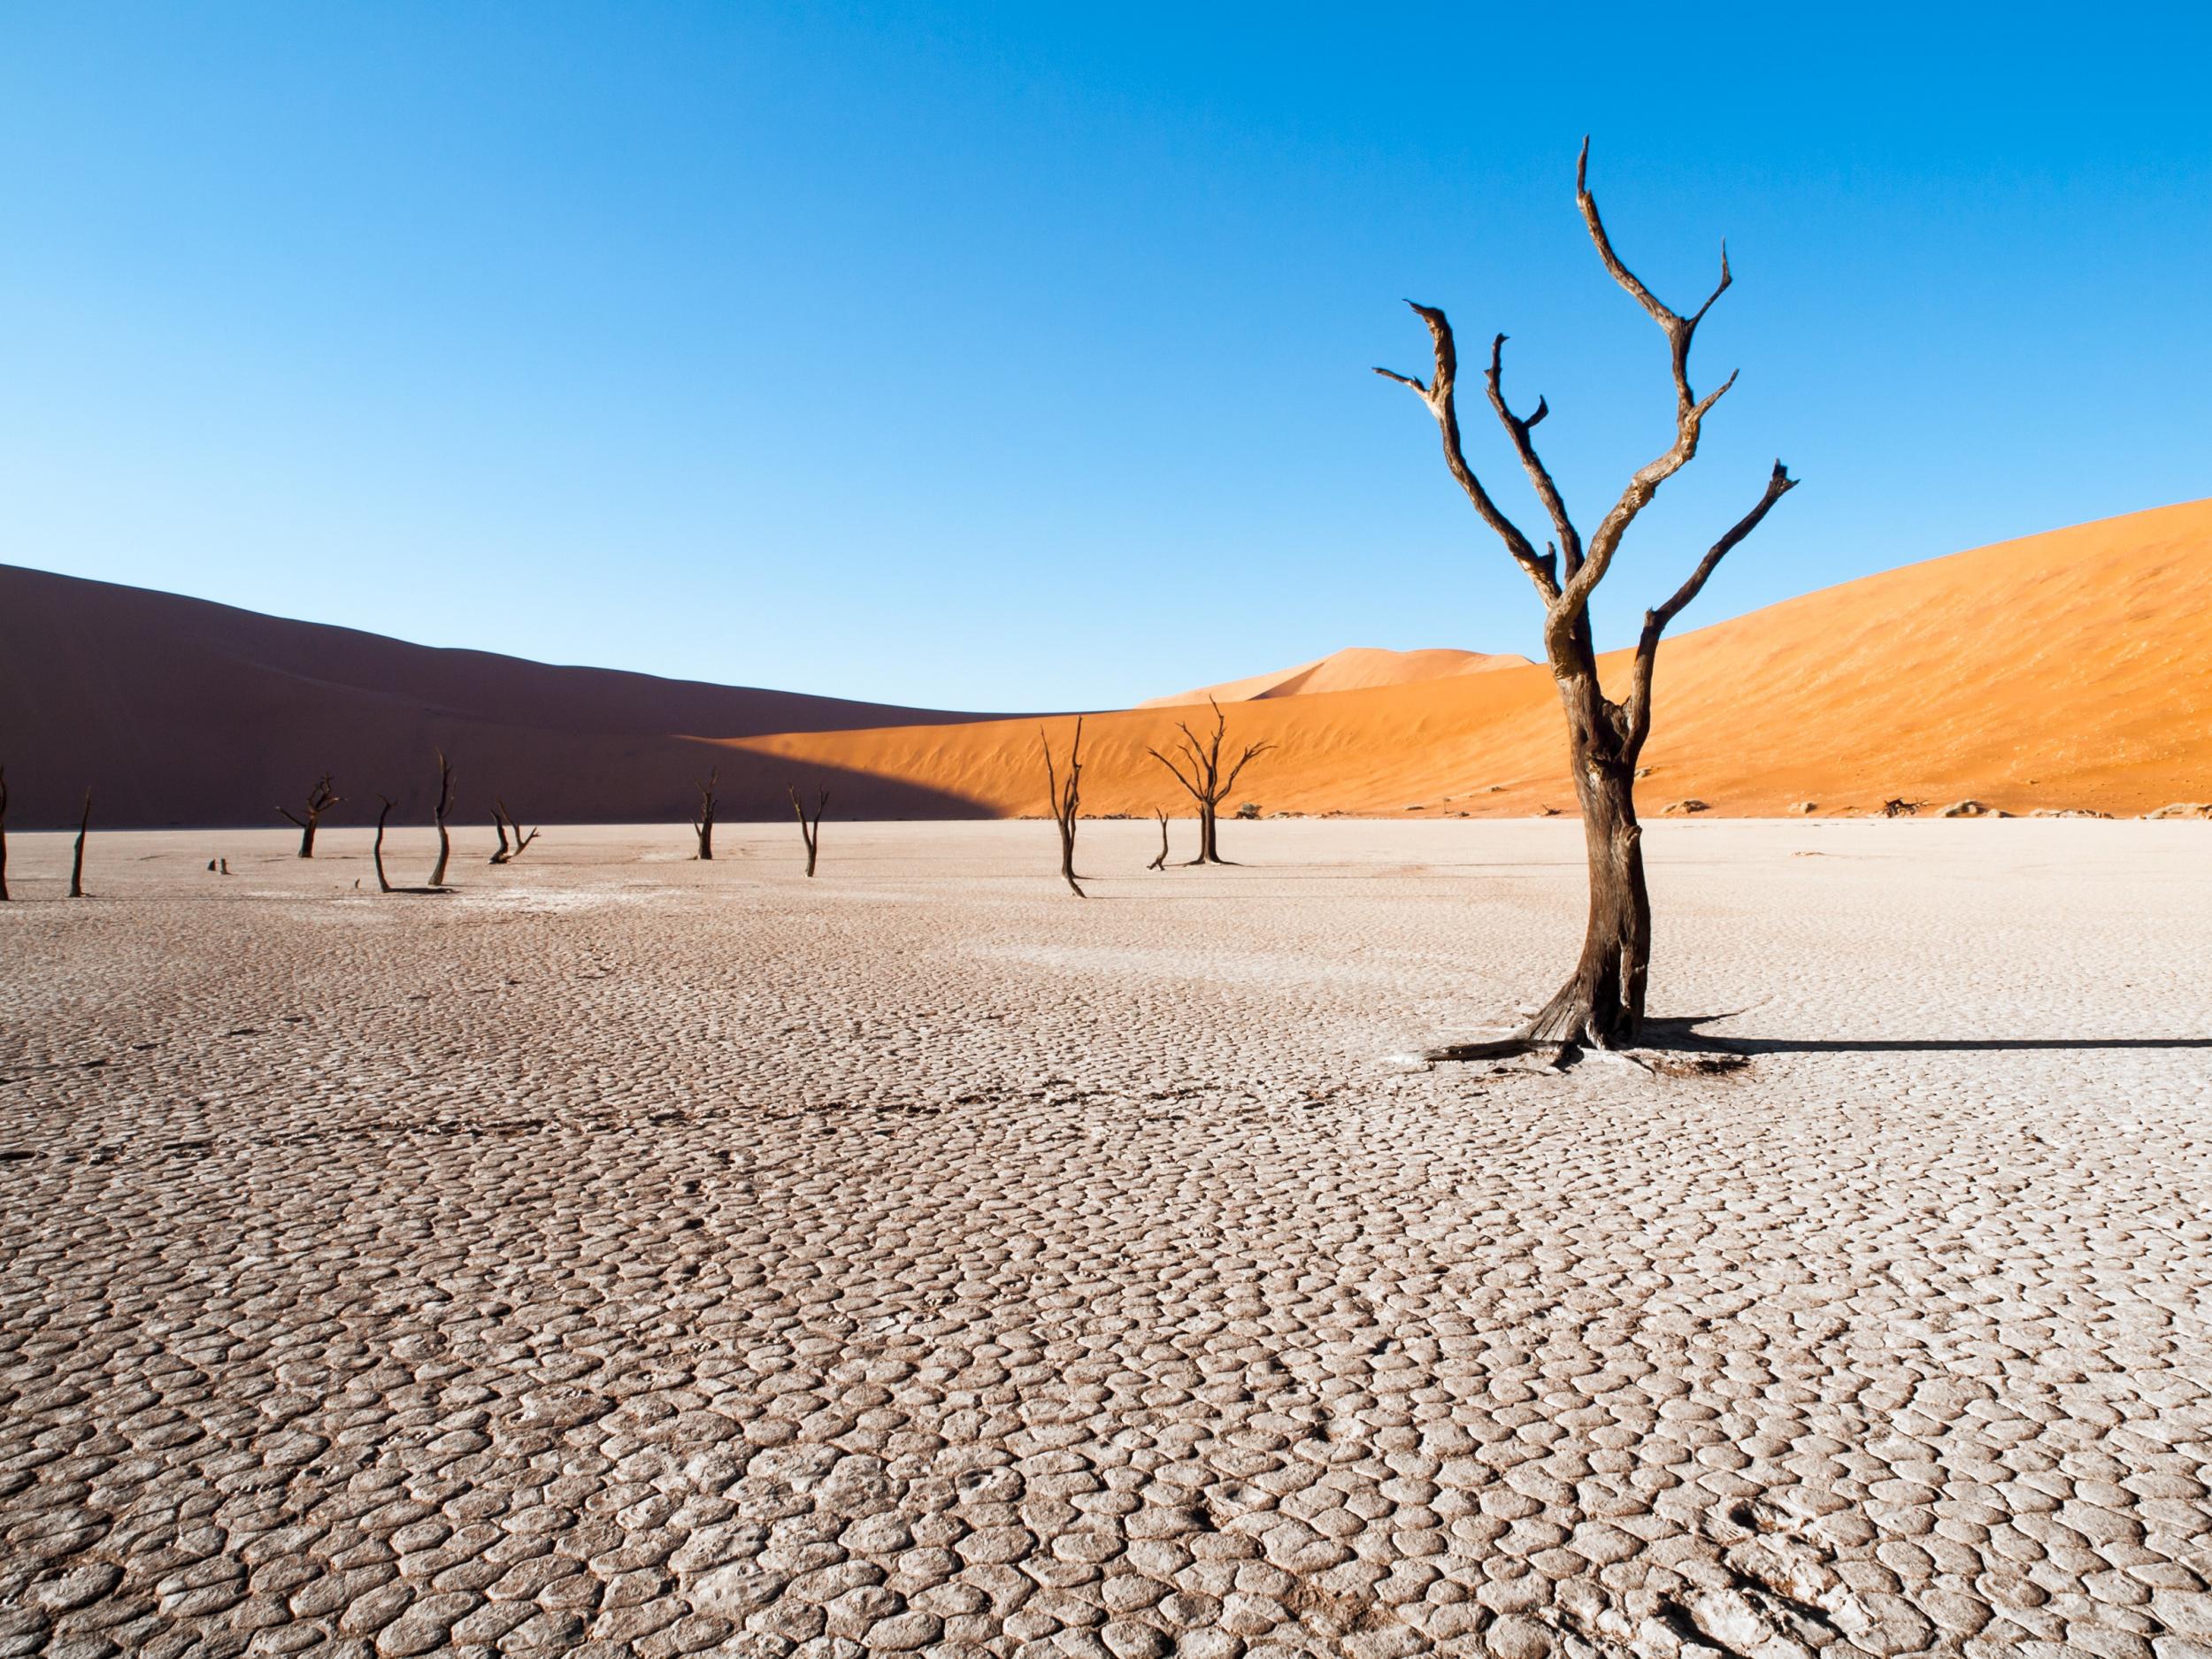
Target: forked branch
1066, 796
810, 828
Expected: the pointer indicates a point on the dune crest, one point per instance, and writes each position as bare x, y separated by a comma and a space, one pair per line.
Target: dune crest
1354, 668
2061, 671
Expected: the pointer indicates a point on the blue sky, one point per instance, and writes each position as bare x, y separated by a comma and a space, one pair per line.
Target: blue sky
1018, 357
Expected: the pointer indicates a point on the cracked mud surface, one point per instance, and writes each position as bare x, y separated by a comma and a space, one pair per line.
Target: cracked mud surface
625, 1254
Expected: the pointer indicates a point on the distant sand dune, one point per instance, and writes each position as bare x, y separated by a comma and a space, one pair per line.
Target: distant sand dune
180, 711
2071, 668
1355, 668
2067, 670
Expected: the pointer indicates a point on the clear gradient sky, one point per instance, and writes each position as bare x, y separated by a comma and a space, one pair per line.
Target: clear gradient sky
1018, 357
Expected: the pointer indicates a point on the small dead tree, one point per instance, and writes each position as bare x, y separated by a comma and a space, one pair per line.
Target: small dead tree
1198, 766
1602, 1002
502, 820
4, 834
383, 882
811, 829
320, 799
1160, 861
1066, 795
702, 826
76, 864
445, 805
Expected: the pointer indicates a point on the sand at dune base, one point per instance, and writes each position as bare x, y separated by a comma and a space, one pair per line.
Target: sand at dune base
684, 1257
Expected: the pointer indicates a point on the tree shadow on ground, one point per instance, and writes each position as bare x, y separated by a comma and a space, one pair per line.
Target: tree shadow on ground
1683, 1035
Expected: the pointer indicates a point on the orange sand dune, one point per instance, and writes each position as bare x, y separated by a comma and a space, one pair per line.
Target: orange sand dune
2072, 669
178, 711
1355, 668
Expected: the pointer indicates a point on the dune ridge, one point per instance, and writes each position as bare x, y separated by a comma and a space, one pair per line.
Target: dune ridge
1354, 668
2061, 671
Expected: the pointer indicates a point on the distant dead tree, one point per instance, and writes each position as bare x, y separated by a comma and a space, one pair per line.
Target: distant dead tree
1206, 778
1160, 861
702, 826
76, 866
320, 799
1603, 1002
502, 820
1066, 795
4, 834
445, 805
383, 882
811, 830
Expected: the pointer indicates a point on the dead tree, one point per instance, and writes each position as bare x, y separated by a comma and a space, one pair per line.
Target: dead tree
702, 826
76, 864
445, 805
1602, 1002
1066, 795
383, 882
1207, 780
811, 830
4, 834
320, 799
1160, 861
502, 820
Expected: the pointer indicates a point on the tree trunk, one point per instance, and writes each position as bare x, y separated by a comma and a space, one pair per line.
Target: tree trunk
445, 852
1209, 851
76, 866
1603, 1002
383, 882
307, 838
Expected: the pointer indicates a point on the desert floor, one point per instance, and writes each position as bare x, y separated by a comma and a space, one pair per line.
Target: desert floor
626, 1254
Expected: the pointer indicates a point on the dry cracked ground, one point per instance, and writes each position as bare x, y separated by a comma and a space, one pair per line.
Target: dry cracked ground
625, 1255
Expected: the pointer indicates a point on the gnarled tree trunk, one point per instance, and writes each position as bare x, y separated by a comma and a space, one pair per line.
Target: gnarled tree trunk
703, 825
1602, 1004
1066, 796
810, 828
76, 863
383, 882
445, 805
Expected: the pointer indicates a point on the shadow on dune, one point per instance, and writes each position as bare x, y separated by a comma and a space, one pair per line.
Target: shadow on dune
180, 712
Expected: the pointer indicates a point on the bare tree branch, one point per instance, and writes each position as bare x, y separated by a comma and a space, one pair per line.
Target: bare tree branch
1637, 724
1540, 475
1442, 404
1690, 410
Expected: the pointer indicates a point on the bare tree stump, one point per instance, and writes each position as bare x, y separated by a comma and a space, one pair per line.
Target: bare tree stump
1160, 861
76, 864
383, 882
702, 826
1601, 1003
445, 805
1066, 796
320, 799
1207, 781
811, 830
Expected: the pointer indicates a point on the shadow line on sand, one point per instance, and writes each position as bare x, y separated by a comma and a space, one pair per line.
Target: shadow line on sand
1683, 1034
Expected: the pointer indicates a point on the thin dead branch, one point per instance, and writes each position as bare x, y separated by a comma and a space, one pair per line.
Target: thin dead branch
1066, 796
810, 828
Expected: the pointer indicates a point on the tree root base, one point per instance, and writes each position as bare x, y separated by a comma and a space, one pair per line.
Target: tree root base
1662, 1047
